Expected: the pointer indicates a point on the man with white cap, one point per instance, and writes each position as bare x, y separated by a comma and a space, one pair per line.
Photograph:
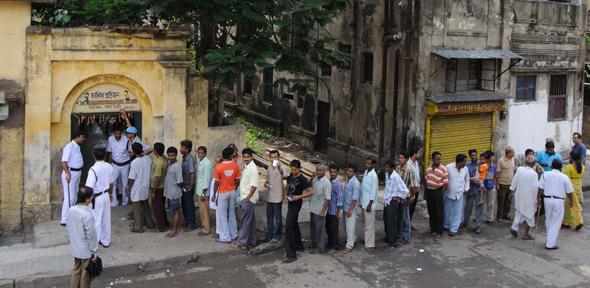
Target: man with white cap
134, 138
118, 155
525, 186
71, 163
554, 186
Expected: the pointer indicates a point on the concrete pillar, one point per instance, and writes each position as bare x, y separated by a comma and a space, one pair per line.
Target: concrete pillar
15, 16
37, 170
174, 102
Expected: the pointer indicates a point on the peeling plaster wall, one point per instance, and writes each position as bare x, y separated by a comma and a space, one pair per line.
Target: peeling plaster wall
528, 125
14, 18
550, 36
354, 116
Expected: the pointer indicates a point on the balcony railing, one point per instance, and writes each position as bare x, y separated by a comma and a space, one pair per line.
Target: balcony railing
547, 13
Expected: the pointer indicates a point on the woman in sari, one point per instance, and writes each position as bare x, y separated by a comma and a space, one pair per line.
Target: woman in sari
573, 213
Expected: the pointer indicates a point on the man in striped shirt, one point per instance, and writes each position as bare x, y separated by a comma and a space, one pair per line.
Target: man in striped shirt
437, 179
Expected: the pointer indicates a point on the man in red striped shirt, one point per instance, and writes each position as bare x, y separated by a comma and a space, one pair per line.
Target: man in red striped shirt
437, 179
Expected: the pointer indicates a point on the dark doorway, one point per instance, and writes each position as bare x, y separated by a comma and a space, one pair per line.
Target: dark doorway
99, 126
323, 126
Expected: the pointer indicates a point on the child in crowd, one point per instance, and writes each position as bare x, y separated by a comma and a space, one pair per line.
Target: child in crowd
173, 189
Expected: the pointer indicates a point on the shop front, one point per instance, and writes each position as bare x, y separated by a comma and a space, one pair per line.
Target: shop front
456, 127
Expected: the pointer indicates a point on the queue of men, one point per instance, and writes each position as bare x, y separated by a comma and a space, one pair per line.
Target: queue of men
452, 193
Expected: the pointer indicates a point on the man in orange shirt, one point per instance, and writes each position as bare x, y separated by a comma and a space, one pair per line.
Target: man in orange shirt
227, 178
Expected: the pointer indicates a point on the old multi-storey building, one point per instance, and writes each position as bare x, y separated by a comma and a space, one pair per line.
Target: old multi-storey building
444, 75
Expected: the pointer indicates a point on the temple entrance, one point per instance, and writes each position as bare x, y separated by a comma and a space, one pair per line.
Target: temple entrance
98, 111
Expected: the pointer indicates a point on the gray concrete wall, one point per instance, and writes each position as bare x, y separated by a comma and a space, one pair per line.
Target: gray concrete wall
219, 137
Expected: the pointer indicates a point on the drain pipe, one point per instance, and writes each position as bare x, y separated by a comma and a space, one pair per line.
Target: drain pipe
395, 97
407, 67
383, 109
352, 101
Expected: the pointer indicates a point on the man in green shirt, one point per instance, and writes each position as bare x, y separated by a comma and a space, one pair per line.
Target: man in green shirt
157, 187
204, 176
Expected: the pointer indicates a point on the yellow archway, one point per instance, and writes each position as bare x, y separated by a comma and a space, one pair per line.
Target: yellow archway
60, 129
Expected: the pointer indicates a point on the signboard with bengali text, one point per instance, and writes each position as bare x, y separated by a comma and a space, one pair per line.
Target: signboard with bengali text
104, 98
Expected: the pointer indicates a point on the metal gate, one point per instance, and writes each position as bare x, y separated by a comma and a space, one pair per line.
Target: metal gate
452, 135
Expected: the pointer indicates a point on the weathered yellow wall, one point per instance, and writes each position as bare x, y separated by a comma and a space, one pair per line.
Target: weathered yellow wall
14, 18
197, 111
63, 63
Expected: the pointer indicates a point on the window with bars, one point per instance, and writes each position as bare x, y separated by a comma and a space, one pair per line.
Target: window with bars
326, 70
267, 80
470, 74
347, 50
557, 97
526, 88
248, 85
367, 76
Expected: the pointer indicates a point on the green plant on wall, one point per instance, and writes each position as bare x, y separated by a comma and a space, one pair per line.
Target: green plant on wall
254, 135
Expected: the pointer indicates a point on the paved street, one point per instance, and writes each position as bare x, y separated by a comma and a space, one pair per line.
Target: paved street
492, 259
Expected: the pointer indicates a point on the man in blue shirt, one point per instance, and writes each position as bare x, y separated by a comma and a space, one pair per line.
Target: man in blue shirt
334, 210
579, 146
352, 195
368, 199
545, 158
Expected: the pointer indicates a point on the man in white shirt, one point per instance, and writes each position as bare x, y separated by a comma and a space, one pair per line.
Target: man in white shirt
100, 180
394, 196
525, 186
248, 198
83, 240
138, 189
71, 164
458, 185
415, 166
554, 186
318, 208
118, 155
369, 187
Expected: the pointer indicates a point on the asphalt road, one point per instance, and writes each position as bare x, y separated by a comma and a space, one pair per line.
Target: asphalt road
492, 259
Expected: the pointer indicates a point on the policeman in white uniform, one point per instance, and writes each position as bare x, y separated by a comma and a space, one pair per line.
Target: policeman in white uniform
554, 186
118, 155
71, 163
100, 179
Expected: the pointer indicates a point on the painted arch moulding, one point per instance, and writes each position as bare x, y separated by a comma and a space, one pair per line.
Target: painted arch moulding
61, 111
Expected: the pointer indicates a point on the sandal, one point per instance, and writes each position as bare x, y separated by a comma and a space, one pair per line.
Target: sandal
347, 250
528, 237
171, 235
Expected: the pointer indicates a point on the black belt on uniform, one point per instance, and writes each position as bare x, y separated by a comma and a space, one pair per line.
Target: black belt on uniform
122, 164
554, 197
75, 169
96, 195
99, 193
